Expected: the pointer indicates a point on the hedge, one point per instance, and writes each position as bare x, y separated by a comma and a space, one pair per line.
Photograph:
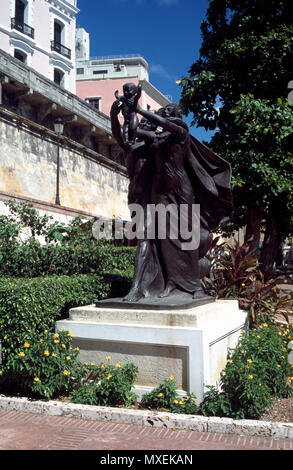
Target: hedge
29, 306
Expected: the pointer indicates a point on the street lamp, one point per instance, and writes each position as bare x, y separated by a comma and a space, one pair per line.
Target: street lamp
59, 128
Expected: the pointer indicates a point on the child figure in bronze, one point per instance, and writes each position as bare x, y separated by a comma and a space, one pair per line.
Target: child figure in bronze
129, 100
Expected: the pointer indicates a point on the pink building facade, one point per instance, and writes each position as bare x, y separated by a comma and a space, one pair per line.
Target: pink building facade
98, 78
101, 93
41, 33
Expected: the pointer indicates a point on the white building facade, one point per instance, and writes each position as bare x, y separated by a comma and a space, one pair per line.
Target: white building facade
41, 33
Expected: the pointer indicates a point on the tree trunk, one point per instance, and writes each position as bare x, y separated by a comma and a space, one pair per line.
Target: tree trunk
272, 241
253, 227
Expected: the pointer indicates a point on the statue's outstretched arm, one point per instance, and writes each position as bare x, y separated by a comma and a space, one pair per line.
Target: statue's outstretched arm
146, 135
117, 96
138, 95
115, 124
169, 126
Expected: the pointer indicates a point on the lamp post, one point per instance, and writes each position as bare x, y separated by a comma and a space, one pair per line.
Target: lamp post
58, 127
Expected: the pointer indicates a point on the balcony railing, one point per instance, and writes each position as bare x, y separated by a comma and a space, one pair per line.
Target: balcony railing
22, 27
56, 46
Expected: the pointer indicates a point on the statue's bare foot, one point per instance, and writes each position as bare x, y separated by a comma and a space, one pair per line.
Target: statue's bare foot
199, 293
133, 295
168, 289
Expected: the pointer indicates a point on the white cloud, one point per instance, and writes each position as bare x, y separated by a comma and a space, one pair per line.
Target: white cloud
160, 70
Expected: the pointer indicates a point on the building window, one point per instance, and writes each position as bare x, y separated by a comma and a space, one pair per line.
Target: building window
100, 72
94, 103
59, 38
79, 71
20, 8
18, 54
59, 77
19, 22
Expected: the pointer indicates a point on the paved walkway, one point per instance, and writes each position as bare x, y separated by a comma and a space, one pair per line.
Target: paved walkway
28, 431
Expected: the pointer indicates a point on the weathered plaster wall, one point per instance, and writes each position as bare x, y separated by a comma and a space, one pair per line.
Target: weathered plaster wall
28, 163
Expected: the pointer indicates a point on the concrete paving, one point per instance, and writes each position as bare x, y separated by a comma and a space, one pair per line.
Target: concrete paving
29, 431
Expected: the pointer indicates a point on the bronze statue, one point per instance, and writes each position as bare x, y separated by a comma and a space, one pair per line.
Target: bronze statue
129, 100
166, 165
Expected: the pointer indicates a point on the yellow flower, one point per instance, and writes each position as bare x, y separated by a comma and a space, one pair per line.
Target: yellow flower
76, 349
46, 353
243, 284
65, 372
62, 328
63, 346
41, 340
56, 335
86, 363
68, 358
175, 401
93, 363
26, 345
53, 354
265, 325
259, 385
278, 365
160, 395
102, 366
36, 379
56, 341
21, 354
108, 357
249, 360
171, 377
257, 336
109, 377
69, 333
118, 365
250, 376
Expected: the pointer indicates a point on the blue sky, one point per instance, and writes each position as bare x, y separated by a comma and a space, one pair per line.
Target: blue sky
165, 32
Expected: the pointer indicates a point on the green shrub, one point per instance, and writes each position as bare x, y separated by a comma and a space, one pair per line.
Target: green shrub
111, 385
30, 306
45, 365
117, 260
32, 245
165, 396
215, 403
257, 370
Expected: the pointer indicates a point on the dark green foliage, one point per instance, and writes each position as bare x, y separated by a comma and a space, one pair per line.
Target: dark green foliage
257, 370
110, 385
44, 366
238, 87
165, 396
32, 245
29, 306
215, 403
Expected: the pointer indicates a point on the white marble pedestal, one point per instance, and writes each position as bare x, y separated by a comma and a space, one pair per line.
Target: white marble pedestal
190, 344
